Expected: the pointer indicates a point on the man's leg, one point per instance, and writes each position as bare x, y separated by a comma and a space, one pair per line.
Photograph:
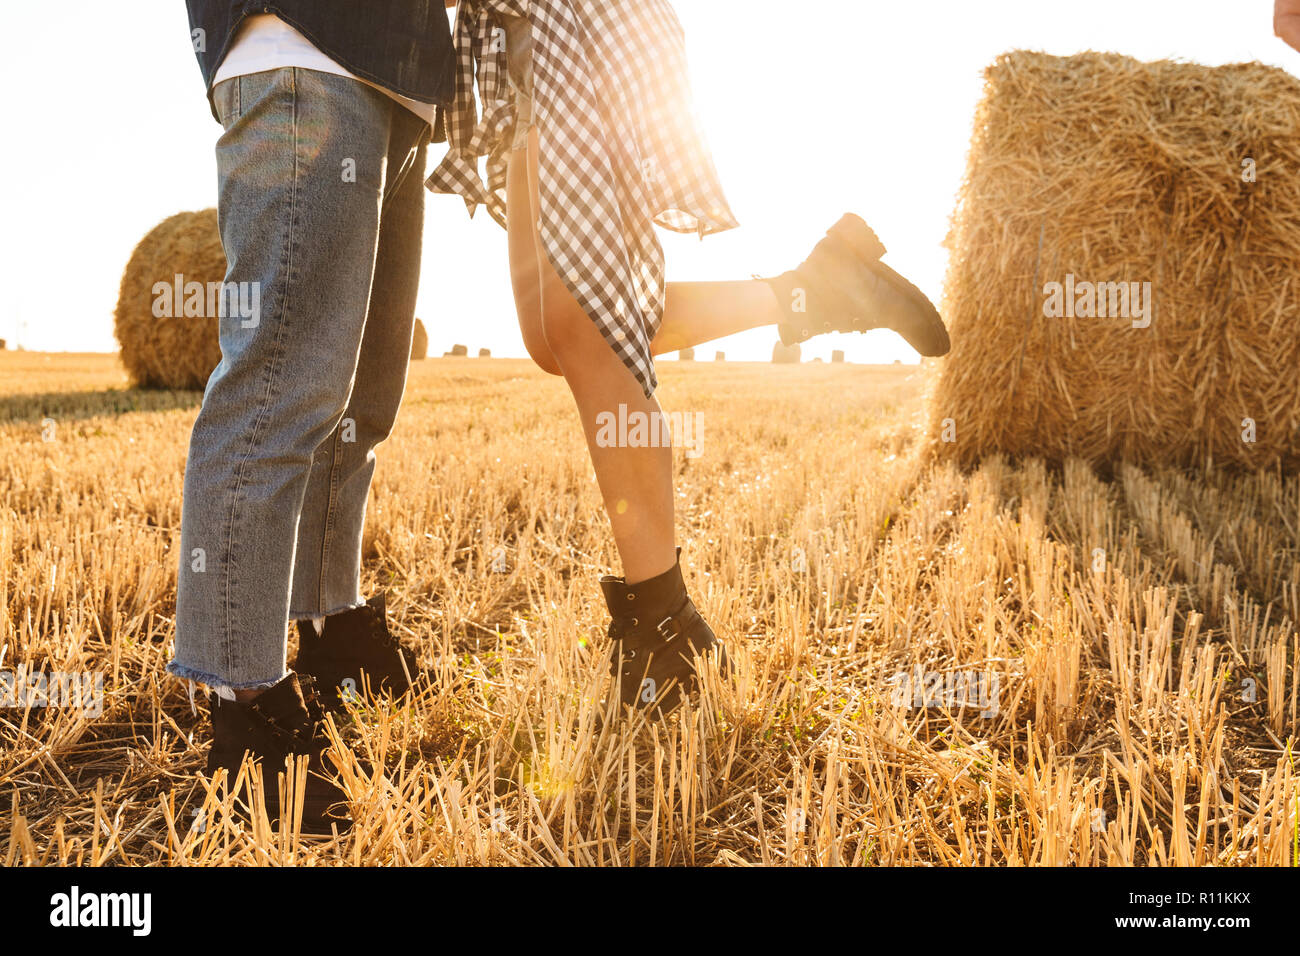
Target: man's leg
327, 566
295, 226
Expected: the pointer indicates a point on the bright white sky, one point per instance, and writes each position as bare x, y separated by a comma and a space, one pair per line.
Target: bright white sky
812, 108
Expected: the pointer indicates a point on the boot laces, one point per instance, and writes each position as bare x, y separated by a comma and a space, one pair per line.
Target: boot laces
311, 697
301, 738
378, 629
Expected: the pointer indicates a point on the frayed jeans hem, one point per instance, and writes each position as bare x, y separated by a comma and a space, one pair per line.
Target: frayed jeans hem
309, 615
218, 684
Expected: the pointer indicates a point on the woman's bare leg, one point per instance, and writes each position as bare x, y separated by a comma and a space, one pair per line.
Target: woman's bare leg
635, 483
699, 312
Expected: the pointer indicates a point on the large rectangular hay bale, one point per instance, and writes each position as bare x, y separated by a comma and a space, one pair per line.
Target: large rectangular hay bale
1097, 168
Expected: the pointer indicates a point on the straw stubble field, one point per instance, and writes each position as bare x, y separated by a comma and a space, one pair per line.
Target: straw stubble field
1139, 625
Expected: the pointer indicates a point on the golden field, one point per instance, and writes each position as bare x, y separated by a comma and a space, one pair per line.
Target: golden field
1140, 624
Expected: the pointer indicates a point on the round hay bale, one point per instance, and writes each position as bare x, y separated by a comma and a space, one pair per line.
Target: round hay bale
785, 355
159, 347
457, 351
484, 353
837, 356
419, 342
720, 356
686, 355
1122, 254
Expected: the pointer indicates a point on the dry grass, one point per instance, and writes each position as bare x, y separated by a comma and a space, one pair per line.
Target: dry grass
1121, 689
1110, 170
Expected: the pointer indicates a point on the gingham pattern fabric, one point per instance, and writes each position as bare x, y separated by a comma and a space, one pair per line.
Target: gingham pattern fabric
620, 150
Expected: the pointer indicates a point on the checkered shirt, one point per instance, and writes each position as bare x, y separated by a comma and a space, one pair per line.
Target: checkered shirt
621, 150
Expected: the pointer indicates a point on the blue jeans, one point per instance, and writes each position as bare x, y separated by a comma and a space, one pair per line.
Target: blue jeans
321, 203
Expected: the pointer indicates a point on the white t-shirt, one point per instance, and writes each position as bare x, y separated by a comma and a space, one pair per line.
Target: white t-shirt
265, 42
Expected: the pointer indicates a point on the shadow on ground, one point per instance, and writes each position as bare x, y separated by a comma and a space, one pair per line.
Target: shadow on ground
92, 403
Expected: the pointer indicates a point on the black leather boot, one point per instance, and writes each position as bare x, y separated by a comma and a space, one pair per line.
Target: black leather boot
283, 720
352, 647
844, 287
656, 635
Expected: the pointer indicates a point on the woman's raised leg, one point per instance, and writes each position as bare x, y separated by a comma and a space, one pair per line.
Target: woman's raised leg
699, 312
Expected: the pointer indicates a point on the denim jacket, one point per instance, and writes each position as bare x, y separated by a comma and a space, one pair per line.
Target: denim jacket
402, 45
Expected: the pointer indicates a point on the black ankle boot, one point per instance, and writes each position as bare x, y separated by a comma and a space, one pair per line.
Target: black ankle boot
844, 287
656, 635
283, 720
352, 647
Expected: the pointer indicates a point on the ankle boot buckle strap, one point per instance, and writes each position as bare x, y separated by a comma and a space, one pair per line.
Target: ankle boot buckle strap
669, 628
674, 625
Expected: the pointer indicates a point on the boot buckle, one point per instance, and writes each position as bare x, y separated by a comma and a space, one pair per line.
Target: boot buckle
676, 628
